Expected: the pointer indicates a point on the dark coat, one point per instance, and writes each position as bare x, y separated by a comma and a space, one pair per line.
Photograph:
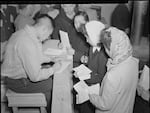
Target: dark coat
62, 22
97, 63
7, 27
121, 17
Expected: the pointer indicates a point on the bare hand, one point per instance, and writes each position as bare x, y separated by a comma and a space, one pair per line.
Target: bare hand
93, 98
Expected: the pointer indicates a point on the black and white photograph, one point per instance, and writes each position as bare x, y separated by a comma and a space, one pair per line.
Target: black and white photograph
75, 57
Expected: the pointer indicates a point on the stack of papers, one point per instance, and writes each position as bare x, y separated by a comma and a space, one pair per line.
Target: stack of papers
82, 72
64, 39
84, 90
53, 52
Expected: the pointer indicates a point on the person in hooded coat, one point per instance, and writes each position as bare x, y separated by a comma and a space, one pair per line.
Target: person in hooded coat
118, 88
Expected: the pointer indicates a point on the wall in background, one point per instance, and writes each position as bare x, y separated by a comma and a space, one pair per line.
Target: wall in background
106, 12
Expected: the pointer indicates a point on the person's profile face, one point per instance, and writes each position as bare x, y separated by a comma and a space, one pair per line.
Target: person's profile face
78, 21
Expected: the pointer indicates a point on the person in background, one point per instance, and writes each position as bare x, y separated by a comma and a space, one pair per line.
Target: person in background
64, 21
25, 16
51, 10
80, 19
97, 59
37, 8
121, 17
99, 15
118, 89
8, 14
23, 59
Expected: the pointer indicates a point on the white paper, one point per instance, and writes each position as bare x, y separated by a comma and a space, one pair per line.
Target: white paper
82, 72
53, 52
144, 80
51, 43
64, 39
82, 97
84, 90
85, 76
82, 69
80, 86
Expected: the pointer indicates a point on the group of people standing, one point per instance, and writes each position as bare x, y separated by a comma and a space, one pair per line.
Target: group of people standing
106, 50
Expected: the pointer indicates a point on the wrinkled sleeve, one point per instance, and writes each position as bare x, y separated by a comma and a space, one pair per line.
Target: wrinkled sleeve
109, 93
31, 63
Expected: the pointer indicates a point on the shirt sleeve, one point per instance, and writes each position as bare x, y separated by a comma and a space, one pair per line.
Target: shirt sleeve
110, 91
30, 59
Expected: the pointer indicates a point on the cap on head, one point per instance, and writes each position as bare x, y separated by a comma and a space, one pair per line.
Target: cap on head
93, 29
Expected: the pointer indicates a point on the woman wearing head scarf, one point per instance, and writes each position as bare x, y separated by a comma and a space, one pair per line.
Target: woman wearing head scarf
97, 59
117, 92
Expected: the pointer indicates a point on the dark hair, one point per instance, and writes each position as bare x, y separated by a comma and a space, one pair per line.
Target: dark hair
40, 16
84, 14
22, 6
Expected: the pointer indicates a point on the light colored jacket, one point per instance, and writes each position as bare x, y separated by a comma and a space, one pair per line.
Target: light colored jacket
23, 57
118, 88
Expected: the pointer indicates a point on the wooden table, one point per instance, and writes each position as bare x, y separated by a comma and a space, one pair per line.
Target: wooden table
62, 99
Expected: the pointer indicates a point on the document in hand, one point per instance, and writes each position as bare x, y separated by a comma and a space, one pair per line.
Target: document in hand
64, 39
144, 80
84, 90
84, 76
82, 72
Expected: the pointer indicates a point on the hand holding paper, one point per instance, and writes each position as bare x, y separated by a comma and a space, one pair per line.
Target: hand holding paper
64, 39
84, 90
82, 72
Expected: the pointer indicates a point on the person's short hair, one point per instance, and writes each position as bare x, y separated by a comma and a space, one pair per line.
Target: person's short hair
84, 14
22, 6
40, 16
